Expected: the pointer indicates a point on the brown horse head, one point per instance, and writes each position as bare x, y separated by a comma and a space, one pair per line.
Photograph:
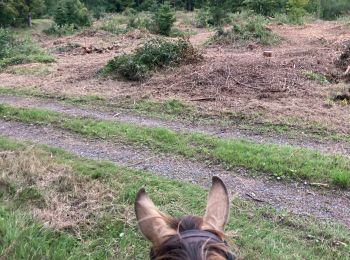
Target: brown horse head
189, 237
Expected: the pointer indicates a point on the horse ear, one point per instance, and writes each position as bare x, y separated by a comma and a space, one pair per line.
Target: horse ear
218, 206
153, 224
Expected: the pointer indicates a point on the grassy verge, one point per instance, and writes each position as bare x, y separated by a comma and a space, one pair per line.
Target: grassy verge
282, 161
168, 110
259, 232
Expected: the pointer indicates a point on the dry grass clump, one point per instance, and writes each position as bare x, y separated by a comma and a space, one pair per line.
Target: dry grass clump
54, 194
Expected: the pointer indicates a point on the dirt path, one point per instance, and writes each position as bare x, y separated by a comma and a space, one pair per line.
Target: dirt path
223, 132
295, 197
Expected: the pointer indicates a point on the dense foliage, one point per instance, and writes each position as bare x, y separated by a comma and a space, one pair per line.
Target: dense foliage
17, 12
71, 12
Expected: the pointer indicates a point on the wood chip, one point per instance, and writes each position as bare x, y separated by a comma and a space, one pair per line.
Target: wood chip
325, 185
204, 99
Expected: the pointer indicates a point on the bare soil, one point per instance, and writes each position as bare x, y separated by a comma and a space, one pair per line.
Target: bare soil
294, 197
236, 80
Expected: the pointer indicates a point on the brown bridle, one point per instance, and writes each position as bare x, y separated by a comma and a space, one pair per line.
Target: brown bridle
194, 236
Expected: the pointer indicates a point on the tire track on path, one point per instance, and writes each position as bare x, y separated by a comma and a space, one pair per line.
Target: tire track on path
333, 205
324, 146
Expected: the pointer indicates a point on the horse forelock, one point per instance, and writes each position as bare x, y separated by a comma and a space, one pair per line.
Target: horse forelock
197, 250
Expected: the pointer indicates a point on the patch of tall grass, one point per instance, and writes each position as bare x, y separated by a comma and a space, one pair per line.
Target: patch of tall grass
19, 51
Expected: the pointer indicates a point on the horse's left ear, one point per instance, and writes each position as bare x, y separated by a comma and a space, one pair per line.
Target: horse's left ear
154, 224
218, 206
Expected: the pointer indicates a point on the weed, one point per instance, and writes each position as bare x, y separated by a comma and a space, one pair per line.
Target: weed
320, 78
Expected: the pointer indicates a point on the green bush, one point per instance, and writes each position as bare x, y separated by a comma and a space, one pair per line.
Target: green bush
139, 21
72, 12
14, 51
155, 54
203, 18
251, 30
65, 29
164, 18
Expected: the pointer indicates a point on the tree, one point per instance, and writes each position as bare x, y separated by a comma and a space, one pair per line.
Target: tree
18, 12
72, 12
296, 10
8, 13
164, 19
218, 11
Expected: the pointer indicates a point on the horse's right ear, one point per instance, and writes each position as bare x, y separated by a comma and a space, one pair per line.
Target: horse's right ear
218, 206
153, 223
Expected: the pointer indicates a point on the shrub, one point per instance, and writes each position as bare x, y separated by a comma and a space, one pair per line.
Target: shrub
203, 18
253, 29
164, 19
72, 12
139, 21
156, 53
115, 25
128, 66
61, 30
14, 51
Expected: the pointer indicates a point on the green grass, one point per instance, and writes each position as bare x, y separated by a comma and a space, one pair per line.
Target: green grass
19, 51
169, 109
321, 79
284, 161
22, 237
260, 231
37, 70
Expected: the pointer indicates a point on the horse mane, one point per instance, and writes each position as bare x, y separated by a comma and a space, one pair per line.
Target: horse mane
197, 250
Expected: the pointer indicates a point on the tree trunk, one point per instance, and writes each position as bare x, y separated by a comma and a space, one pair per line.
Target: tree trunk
30, 19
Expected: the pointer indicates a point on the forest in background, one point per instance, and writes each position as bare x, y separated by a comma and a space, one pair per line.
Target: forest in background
17, 13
